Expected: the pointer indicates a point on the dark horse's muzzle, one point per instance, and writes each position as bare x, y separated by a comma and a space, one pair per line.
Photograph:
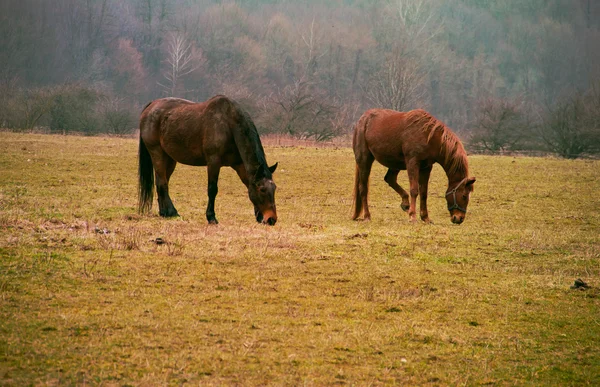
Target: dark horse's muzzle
270, 219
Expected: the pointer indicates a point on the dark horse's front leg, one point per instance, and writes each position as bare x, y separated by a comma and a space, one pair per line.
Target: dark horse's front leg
213, 189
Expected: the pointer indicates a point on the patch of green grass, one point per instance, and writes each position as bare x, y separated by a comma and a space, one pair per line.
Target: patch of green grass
88, 296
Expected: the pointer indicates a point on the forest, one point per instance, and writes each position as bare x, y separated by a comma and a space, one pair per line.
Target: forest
506, 75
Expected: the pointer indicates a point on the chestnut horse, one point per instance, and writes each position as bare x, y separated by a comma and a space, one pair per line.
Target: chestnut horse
411, 141
214, 133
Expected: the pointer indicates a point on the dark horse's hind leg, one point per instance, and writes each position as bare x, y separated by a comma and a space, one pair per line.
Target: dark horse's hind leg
164, 167
213, 189
391, 177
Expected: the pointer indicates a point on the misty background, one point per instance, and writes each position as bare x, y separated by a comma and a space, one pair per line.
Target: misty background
506, 75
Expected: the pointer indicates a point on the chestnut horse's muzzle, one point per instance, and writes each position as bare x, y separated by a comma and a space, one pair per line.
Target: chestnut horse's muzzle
457, 218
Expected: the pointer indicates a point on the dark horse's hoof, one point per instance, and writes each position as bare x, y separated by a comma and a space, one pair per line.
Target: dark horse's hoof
169, 213
213, 221
404, 207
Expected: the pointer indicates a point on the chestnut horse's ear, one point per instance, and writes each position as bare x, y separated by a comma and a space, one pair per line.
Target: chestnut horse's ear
471, 180
273, 167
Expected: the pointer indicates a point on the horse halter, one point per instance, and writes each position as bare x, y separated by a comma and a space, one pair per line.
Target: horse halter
455, 206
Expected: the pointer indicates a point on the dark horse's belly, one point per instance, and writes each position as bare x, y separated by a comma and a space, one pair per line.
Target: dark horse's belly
196, 147
180, 150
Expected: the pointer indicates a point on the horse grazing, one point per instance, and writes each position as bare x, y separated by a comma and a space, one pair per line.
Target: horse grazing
214, 133
411, 141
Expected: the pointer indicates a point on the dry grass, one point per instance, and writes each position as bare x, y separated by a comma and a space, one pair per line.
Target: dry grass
87, 296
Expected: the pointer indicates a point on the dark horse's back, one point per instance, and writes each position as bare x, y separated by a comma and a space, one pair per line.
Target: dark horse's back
192, 133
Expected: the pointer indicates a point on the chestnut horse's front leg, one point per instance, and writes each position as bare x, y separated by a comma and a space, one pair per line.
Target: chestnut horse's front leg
213, 189
412, 167
423, 185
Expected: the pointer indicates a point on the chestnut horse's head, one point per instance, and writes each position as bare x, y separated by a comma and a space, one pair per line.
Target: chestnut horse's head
458, 199
261, 191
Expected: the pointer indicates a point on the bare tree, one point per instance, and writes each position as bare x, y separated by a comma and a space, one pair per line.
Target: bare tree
413, 20
117, 117
36, 104
312, 38
567, 129
499, 125
182, 59
301, 111
399, 84
402, 79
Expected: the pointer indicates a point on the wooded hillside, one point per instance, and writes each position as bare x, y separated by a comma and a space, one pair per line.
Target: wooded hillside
505, 74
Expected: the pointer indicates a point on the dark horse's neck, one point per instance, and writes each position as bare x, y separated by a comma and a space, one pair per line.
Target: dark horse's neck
250, 148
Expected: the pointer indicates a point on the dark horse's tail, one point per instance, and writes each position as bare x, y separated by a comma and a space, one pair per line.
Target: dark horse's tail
145, 177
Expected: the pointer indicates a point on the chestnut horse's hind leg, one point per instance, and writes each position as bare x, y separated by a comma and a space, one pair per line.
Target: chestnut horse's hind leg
423, 185
391, 177
163, 168
213, 189
364, 171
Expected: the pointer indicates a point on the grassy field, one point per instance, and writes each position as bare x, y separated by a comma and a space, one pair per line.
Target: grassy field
88, 297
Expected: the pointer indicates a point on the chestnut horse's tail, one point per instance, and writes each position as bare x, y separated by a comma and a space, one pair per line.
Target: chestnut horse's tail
357, 205
358, 140
146, 179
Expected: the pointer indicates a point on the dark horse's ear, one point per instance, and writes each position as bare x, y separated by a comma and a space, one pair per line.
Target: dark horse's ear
273, 167
471, 180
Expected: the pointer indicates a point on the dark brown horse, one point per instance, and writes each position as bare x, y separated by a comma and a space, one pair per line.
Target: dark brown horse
214, 133
411, 141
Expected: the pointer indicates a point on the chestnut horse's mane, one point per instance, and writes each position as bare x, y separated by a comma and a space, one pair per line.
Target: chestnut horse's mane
455, 156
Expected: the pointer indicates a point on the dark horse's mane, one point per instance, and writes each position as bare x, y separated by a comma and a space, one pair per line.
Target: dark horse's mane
248, 130
455, 156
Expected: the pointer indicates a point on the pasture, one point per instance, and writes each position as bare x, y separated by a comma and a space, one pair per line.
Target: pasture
88, 296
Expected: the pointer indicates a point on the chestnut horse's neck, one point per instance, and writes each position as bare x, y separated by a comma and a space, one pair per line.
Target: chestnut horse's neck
250, 148
453, 159
451, 154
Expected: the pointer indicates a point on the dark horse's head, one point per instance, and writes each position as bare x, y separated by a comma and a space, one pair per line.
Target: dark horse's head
458, 199
262, 194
